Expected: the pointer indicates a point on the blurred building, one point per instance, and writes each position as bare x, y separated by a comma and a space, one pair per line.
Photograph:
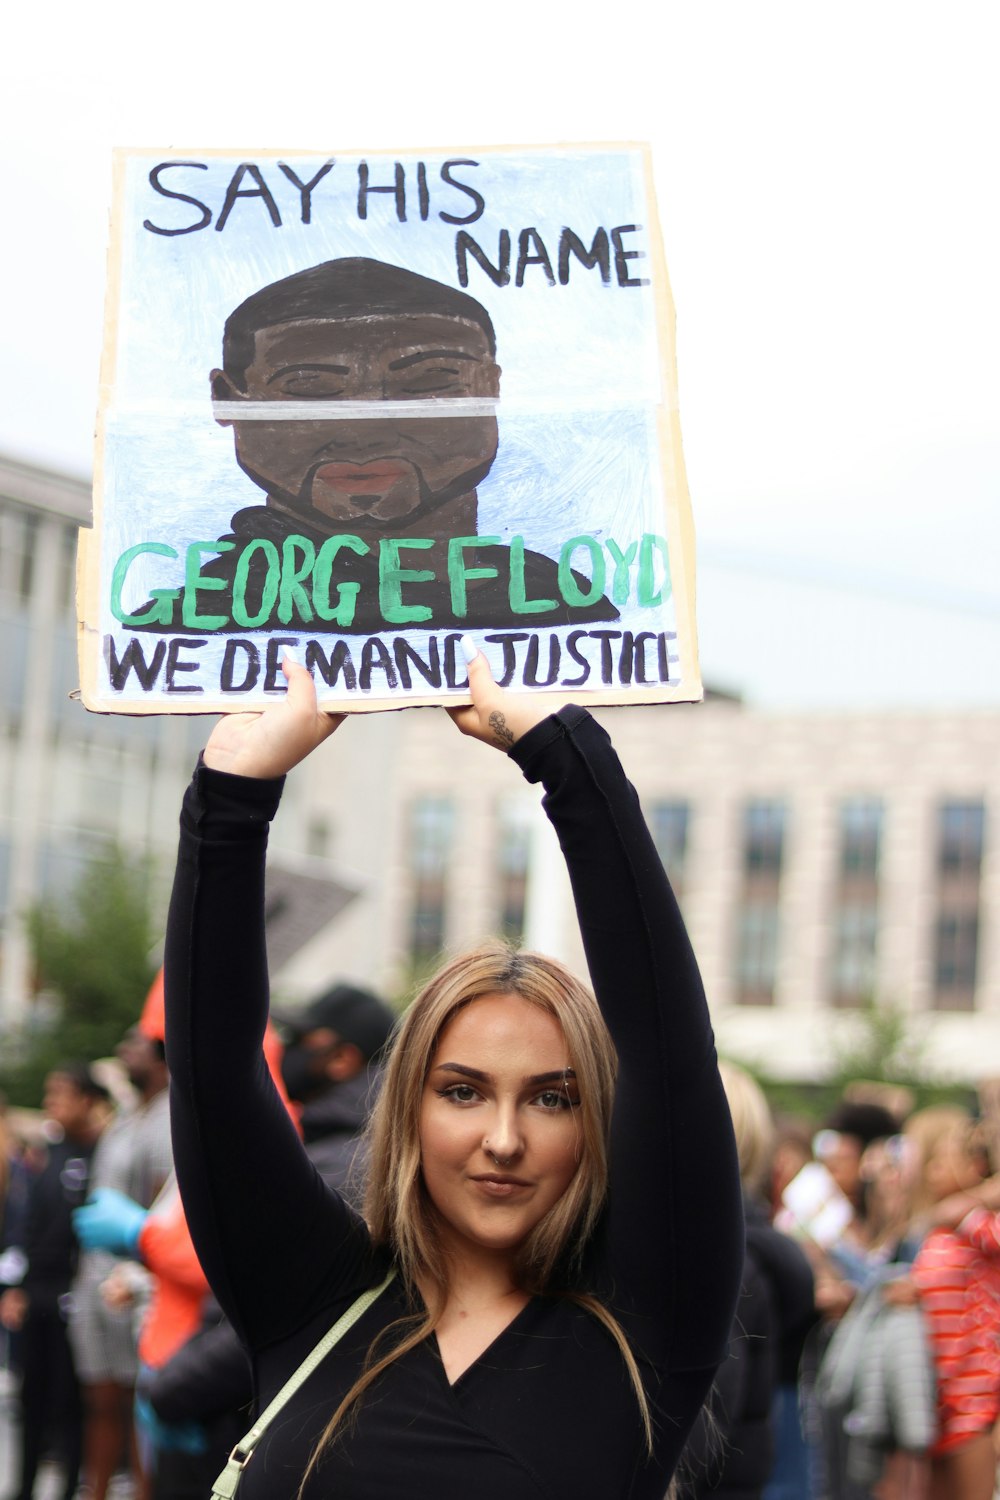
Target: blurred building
821, 859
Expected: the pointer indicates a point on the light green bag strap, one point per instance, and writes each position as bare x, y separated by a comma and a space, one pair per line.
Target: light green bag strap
226, 1484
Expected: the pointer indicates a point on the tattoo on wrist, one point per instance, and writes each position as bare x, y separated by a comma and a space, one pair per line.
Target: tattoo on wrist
498, 724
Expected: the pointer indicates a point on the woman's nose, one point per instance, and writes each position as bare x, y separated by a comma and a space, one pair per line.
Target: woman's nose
504, 1142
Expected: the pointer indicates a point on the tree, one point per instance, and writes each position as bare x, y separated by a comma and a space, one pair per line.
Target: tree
92, 955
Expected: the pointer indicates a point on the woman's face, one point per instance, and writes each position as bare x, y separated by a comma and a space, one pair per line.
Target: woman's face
499, 1131
952, 1167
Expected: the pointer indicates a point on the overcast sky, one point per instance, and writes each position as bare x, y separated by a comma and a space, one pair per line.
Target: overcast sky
827, 181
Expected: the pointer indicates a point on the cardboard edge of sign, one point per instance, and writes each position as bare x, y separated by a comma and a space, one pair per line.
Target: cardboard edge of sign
679, 518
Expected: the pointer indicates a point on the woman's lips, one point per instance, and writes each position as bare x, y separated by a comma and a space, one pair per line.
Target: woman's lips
500, 1187
362, 479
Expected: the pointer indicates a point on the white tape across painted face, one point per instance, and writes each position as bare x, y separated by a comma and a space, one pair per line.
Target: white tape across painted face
327, 411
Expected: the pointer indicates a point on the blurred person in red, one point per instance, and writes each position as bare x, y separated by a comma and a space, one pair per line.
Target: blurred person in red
956, 1280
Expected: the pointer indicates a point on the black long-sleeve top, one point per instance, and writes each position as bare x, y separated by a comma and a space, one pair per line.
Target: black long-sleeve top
548, 1409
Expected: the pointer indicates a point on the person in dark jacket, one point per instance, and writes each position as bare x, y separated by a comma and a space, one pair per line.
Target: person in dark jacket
733, 1452
51, 1403
331, 1067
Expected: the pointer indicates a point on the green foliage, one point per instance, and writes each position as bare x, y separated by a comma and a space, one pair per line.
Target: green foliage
880, 1042
91, 952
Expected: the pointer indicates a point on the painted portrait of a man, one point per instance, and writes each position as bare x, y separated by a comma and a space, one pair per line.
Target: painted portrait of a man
362, 400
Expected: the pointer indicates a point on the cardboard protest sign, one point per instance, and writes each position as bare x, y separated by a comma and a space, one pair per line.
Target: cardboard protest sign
361, 405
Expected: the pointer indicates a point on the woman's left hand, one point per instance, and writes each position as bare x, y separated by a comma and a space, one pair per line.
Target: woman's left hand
495, 716
268, 744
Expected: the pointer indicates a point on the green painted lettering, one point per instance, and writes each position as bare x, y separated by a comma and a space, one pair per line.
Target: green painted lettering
459, 574
342, 613
568, 586
649, 594
291, 594
519, 602
391, 578
195, 583
161, 611
269, 592
622, 561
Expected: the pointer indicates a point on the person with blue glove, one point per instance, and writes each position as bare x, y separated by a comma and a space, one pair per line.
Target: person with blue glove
109, 1220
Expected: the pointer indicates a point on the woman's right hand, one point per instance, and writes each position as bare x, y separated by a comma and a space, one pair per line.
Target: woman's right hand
270, 743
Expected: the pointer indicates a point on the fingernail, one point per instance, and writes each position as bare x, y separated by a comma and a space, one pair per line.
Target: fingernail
469, 648
290, 654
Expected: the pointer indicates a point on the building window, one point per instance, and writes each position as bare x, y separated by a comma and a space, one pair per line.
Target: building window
513, 856
758, 922
854, 927
757, 955
668, 822
860, 837
956, 950
960, 838
961, 831
763, 837
854, 945
431, 825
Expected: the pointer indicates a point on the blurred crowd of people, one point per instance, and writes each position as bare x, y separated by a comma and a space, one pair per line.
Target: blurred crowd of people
129, 1380
864, 1360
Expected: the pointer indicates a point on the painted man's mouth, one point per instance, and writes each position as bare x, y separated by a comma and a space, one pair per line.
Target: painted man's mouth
362, 479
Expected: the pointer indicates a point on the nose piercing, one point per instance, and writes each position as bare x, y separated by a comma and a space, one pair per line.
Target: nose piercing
500, 1161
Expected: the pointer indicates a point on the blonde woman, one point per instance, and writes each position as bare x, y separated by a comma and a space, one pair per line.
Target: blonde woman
567, 1249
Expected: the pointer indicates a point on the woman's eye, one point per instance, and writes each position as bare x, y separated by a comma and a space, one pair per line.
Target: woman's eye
460, 1093
554, 1099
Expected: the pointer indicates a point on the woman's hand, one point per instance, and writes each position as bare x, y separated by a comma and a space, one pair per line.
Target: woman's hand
495, 716
270, 743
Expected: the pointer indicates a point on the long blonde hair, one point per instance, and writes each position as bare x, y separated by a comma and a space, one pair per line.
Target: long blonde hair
398, 1209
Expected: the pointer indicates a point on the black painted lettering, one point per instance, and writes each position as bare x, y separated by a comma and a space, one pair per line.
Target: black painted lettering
625, 658
662, 657
599, 254
454, 675
640, 655
408, 656
423, 196
305, 188
623, 256
133, 660
573, 650
249, 666
397, 188
375, 658
477, 198
465, 246
274, 679
606, 637
531, 676
175, 664
235, 190
165, 192
531, 251
507, 642
338, 664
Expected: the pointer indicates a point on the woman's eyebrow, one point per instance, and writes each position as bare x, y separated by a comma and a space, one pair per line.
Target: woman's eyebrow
559, 1075
294, 369
411, 359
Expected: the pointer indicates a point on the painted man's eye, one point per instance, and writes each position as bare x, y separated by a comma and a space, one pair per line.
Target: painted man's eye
430, 381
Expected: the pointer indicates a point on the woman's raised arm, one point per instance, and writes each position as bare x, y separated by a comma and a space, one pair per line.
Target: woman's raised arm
270, 1235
